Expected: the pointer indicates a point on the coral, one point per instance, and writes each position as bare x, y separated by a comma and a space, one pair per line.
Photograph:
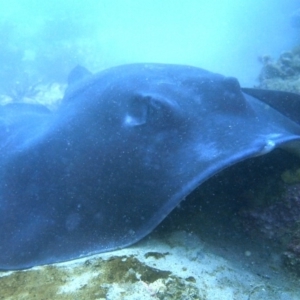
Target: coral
22, 90
283, 74
280, 222
291, 176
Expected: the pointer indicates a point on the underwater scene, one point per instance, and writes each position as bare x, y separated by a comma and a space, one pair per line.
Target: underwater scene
150, 149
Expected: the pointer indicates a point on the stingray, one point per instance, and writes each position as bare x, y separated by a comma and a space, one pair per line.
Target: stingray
123, 149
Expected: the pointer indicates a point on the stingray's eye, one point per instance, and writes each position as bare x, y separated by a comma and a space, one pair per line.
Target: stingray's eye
145, 109
136, 113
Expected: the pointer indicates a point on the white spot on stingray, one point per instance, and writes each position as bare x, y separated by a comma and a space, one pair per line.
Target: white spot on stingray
268, 147
134, 121
129, 120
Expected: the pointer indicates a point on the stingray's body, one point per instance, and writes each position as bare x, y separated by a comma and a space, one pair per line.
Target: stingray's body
124, 148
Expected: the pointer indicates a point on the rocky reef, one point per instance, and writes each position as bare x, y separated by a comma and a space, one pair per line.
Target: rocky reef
279, 220
282, 74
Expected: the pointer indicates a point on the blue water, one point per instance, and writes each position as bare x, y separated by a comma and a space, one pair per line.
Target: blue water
44, 40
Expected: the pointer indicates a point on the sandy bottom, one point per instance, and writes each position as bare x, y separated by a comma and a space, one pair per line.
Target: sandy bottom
213, 262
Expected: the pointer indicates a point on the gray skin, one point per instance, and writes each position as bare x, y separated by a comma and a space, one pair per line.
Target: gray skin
123, 149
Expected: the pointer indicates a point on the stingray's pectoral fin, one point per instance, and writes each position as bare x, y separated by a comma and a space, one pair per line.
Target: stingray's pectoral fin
286, 103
